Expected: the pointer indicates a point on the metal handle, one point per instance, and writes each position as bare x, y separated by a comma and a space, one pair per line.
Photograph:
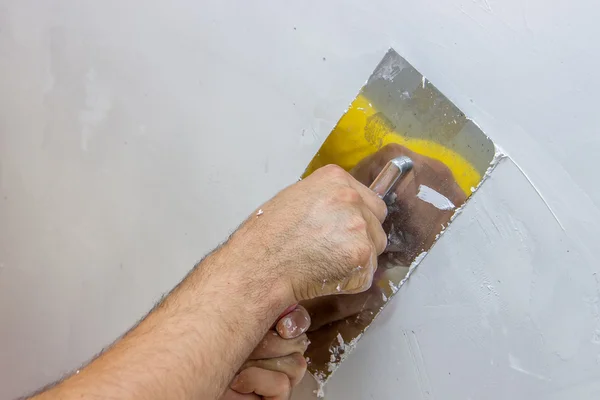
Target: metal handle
390, 174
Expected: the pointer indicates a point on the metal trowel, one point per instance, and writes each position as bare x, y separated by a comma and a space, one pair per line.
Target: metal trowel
411, 145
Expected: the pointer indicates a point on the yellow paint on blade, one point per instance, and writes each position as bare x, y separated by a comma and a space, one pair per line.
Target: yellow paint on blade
360, 133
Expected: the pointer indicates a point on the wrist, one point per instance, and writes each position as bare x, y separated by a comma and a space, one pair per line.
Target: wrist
248, 273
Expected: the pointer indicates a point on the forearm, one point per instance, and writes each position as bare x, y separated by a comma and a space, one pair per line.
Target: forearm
191, 345
317, 237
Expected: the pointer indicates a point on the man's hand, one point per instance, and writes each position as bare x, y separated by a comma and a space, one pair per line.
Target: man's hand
277, 364
320, 236
412, 225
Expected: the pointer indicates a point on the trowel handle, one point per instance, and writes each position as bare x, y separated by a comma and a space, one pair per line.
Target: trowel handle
390, 174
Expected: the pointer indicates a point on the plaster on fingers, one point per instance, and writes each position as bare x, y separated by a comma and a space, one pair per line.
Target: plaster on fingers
273, 345
293, 324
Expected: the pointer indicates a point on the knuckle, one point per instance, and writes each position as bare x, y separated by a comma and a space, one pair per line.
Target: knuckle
298, 368
381, 244
303, 343
381, 209
299, 362
356, 223
360, 282
345, 194
362, 252
333, 171
380, 239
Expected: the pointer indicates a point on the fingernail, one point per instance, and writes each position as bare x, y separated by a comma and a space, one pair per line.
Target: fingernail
287, 326
294, 324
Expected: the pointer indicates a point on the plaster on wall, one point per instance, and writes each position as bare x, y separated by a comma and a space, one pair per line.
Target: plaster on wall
124, 136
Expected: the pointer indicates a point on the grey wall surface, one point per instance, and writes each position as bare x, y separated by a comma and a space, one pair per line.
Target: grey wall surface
135, 135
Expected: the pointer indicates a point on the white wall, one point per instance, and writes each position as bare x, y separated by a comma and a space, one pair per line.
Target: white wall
135, 136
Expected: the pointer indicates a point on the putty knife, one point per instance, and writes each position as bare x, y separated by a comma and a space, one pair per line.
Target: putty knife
398, 113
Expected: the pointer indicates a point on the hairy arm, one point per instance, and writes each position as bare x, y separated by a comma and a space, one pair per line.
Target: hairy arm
191, 345
317, 237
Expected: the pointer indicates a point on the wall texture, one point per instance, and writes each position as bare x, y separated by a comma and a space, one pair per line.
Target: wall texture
134, 136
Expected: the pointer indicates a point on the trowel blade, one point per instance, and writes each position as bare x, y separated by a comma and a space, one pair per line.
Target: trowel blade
397, 113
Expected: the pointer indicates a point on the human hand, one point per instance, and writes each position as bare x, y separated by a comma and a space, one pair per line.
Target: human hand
412, 223
412, 226
277, 364
319, 236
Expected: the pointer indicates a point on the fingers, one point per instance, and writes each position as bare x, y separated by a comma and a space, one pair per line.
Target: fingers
293, 366
294, 323
374, 211
273, 345
375, 230
361, 280
373, 202
271, 385
275, 357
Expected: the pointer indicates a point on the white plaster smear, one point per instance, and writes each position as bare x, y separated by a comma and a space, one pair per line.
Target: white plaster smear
435, 198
